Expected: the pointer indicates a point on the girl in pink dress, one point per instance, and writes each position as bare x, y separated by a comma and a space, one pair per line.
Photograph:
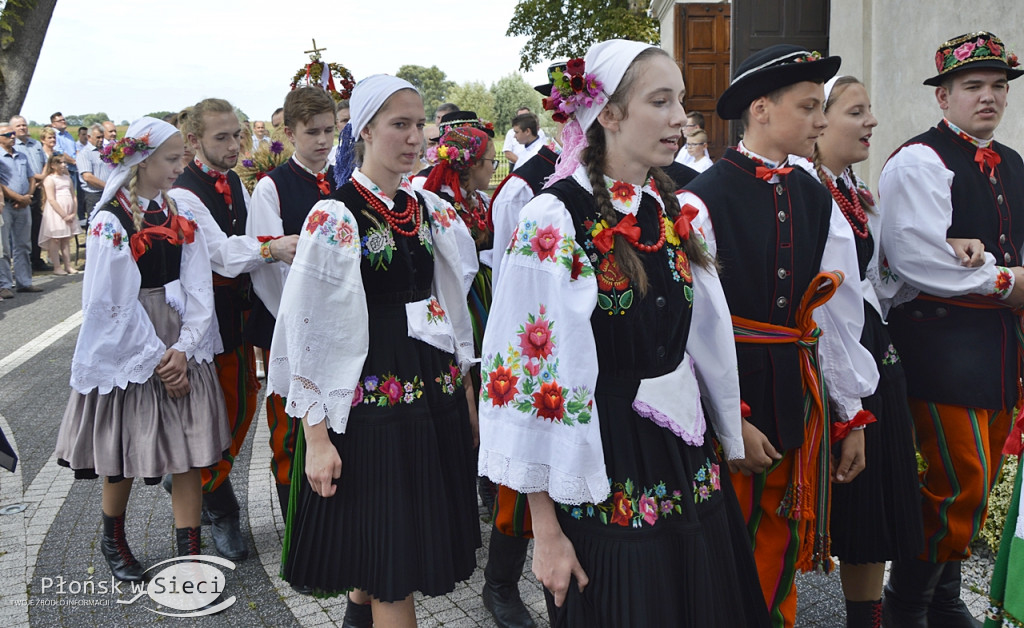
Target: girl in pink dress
60, 220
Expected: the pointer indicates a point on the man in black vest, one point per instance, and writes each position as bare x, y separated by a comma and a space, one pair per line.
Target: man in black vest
772, 230
219, 201
954, 326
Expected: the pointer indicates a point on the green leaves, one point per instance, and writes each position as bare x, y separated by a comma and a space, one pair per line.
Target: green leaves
567, 28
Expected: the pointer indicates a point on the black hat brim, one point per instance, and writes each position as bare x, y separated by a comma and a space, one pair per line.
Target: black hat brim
735, 100
545, 89
995, 64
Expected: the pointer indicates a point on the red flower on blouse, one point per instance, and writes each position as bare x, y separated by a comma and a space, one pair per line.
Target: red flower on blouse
1002, 282
548, 401
622, 509
577, 267
622, 191
501, 386
314, 221
117, 238
536, 340
435, 309
545, 242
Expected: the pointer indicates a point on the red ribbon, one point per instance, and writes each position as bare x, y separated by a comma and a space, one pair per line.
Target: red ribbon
682, 224
222, 186
765, 174
841, 430
987, 158
627, 228
321, 182
744, 409
176, 231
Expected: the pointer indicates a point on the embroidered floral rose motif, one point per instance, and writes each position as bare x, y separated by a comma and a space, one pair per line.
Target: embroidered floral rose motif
532, 367
314, 221
609, 276
357, 396
501, 386
1003, 281
577, 267
451, 380
393, 389
545, 243
622, 192
345, 233
549, 402
116, 239
648, 509
940, 59
98, 229
995, 48
536, 340
706, 481
622, 509
683, 266
964, 51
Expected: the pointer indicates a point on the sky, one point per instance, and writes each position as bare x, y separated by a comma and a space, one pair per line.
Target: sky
132, 57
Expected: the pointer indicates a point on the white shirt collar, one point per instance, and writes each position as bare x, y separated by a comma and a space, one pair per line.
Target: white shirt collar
625, 196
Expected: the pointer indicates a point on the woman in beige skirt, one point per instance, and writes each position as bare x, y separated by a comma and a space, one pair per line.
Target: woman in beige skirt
145, 400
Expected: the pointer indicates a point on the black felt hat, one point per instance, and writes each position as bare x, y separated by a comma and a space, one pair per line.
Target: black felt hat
971, 52
464, 118
770, 69
545, 89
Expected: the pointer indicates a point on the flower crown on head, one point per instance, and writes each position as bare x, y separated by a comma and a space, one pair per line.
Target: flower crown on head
456, 149
123, 148
571, 90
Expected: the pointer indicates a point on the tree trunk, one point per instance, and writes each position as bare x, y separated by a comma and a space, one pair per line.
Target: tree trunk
18, 57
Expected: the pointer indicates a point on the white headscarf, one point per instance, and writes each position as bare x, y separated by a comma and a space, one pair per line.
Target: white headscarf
608, 62
368, 96
831, 83
157, 131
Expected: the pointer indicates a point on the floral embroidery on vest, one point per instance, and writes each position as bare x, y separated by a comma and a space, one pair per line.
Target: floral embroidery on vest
890, 356
527, 377
630, 507
378, 243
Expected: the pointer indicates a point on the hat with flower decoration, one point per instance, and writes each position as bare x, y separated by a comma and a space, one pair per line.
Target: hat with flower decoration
970, 52
770, 69
558, 66
463, 118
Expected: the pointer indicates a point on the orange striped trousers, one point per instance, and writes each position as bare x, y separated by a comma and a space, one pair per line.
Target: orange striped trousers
962, 450
236, 371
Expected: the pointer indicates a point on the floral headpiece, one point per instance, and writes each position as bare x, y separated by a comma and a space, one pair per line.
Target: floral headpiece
116, 152
459, 147
974, 50
472, 123
571, 90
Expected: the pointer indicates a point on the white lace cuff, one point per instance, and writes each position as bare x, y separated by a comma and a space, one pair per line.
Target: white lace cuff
532, 477
306, 400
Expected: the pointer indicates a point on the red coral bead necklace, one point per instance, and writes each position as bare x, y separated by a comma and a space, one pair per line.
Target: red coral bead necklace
393, 218
853, 210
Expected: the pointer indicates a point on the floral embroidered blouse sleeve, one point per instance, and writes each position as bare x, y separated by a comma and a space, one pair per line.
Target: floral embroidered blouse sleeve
538, 422
917, 210
321, 337
117, 343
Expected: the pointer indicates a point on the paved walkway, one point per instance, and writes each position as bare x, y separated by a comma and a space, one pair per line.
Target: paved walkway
49, 543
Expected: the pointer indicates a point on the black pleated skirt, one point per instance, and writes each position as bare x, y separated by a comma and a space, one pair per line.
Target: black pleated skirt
404, 517
877, 516
670, 547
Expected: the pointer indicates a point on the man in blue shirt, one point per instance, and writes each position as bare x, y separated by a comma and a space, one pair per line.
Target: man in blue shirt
33, 150
17, 185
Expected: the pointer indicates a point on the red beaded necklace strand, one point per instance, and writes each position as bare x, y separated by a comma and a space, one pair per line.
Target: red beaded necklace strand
393, 218
851, 209
653, 248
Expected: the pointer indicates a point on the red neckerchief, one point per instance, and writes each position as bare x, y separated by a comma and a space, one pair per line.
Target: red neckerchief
177, 230
984, 156
766, 174
221, 181
321, 182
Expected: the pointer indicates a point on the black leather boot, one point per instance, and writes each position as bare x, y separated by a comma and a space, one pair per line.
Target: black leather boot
114, 547
947, 609
189, 541
864, 614
505, 559
357, 615
221, 507
909, 592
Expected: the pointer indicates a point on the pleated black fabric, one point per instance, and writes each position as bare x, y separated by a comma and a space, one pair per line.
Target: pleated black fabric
877, 517
404, 517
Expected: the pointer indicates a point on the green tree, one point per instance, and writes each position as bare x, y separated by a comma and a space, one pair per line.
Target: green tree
160, 115
87, 119
510, 93
432, 83
566, 28
474, 96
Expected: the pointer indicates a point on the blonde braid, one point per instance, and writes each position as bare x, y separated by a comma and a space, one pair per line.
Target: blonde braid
172, 209
133, 199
